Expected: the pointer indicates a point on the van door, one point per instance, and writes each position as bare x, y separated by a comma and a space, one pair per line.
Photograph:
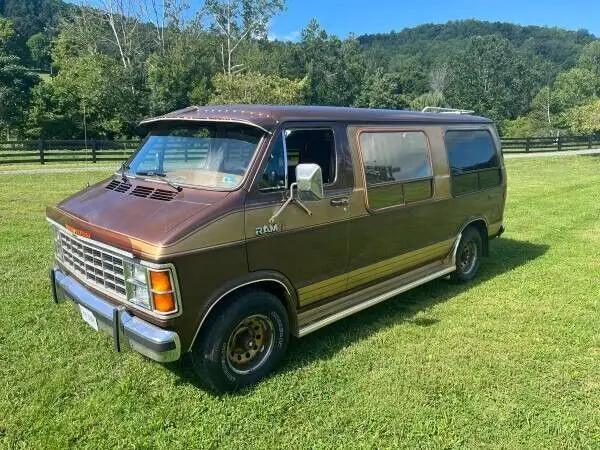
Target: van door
401, 228
310, 250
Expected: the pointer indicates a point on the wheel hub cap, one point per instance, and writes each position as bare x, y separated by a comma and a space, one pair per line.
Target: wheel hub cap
250, 343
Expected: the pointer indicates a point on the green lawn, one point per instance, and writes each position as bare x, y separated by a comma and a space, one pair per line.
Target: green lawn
511, 360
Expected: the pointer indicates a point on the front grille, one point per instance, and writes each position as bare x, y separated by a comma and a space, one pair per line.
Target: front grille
99, 267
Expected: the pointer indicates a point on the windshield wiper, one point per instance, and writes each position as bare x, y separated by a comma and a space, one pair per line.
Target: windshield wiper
123, 171
163, 176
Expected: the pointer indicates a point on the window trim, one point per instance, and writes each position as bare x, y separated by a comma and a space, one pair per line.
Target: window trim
390, 183
269, 150
476, 171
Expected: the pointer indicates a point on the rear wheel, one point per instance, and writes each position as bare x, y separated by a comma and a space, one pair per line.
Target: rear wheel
468, 256
243, 342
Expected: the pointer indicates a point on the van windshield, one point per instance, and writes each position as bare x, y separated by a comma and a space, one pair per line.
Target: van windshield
208, 155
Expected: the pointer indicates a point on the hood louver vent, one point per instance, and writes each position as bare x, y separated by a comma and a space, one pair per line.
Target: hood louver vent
161, 194
114, 185
142, 191
155, 194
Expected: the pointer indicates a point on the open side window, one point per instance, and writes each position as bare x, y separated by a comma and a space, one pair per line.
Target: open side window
298, 146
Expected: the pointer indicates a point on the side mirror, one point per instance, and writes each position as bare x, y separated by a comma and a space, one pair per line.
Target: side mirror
308, 186
309, 179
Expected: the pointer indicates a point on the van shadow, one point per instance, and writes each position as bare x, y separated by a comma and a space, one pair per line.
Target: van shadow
505, 255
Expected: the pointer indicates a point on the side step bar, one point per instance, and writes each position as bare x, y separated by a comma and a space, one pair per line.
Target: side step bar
357, 305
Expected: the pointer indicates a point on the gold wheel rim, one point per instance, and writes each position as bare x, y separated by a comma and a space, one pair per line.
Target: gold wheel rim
250, 343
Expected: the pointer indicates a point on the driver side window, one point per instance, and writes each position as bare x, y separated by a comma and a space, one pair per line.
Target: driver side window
299, 146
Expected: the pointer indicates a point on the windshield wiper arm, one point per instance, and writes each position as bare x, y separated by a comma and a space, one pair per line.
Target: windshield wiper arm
123, 171
151, 173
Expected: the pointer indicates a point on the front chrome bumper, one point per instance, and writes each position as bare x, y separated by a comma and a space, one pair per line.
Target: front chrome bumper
149, 340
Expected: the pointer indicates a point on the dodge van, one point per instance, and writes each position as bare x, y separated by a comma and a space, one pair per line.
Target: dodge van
234, 228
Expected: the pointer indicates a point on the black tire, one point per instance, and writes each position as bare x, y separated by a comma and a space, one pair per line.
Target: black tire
242, 342
468, 256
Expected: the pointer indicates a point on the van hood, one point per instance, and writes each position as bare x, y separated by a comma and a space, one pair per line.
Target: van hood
151, 212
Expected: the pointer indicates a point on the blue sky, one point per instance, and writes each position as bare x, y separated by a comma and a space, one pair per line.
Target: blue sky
342, 17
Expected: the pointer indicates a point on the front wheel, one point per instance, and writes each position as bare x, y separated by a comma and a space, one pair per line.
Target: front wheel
243, 342
468, 256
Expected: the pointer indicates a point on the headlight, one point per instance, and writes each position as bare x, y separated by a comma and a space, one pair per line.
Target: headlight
150, 288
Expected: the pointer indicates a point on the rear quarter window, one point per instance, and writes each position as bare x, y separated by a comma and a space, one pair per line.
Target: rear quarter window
474, 161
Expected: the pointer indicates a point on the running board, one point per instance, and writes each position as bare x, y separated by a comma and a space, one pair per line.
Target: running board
328, 313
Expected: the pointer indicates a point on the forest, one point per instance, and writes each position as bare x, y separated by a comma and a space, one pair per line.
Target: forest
95, 68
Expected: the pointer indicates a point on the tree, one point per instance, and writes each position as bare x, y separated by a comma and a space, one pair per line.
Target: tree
237, 20
438, 78
31, 16
590, 57
39, 49
492, 78
256, 88
521, 127
179, 73
90, 94
16, 82
574, 87
584, 119
432, 98
379, 90
335, 68
410, 74
7, 32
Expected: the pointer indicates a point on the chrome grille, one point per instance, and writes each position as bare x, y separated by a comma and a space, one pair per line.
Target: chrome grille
97, 266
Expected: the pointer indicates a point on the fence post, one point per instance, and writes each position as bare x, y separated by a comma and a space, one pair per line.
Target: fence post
559, 143
94, 150
41, 147
527, 144
590, 141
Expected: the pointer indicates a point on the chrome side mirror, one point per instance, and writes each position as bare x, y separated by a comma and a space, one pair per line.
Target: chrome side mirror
308, 186
309, 179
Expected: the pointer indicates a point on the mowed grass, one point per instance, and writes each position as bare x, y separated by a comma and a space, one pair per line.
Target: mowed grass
510, 360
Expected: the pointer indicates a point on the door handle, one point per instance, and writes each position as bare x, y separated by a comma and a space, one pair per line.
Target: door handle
339, 202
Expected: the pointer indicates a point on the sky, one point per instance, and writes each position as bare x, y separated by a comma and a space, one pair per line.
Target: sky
342, 17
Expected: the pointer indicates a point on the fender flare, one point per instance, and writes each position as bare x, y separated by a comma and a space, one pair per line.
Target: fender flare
290, 301
485, 238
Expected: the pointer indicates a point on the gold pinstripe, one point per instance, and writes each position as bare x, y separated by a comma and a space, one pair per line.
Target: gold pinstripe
335, 285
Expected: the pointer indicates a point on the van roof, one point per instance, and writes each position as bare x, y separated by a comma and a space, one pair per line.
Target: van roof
268, 117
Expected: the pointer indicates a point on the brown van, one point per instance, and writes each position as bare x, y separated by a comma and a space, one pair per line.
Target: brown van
234, 227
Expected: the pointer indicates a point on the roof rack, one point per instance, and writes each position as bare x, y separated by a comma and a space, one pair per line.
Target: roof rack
438, 110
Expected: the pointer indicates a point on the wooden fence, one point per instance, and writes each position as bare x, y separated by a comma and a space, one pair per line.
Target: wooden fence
45, 151
94, 150
549, 144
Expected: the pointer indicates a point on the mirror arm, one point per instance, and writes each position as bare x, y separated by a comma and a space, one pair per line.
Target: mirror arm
280, 210
303, 206
287, 202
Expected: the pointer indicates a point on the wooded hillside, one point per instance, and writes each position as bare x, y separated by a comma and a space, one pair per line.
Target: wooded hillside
95, 69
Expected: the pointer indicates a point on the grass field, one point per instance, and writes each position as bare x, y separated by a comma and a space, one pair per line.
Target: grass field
511, 360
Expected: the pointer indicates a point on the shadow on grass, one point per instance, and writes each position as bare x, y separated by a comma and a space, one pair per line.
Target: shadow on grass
505, 255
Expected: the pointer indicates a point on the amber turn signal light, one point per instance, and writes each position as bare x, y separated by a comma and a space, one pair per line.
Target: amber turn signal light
164, 302
162, 291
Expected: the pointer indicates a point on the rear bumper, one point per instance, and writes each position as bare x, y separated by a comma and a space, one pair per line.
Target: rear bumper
149, 340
